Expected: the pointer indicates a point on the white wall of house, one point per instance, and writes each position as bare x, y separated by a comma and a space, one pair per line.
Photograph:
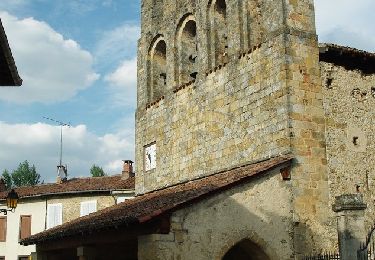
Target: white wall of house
11, 249
71, 208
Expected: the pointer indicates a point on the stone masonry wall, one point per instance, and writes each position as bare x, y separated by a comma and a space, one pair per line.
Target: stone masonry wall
349, 101
258, 211
236, 115
262, 102
232, 114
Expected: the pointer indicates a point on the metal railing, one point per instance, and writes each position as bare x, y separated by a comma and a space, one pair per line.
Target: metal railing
367, 249
324, 256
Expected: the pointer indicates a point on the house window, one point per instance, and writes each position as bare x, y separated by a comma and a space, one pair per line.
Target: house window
3, 229
88, 207
25, 227
54, 215
2, 257
122, 199
23, 258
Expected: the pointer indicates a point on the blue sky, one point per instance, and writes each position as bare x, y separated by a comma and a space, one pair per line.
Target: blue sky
78, 62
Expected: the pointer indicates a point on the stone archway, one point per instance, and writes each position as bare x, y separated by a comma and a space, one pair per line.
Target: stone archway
245, 250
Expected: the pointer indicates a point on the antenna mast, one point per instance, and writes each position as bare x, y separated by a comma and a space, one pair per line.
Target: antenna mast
61, 124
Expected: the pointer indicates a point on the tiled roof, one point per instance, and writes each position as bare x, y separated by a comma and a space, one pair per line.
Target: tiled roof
8, 70
150, 205
75, 185
347, 57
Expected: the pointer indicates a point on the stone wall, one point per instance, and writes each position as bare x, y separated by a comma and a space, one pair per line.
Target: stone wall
234, 112
349, 101
258, 211
264, 99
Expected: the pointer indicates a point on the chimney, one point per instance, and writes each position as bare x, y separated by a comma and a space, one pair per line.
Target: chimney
3, 187
62, 174
127, 169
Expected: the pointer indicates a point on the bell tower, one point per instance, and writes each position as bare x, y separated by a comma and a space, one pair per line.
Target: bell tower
227, 82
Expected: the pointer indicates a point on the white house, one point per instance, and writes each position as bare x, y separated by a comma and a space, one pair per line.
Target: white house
44, 206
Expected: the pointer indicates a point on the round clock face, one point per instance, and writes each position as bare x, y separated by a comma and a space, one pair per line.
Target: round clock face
150, 157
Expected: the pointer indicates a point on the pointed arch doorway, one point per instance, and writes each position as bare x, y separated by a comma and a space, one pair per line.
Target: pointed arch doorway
245, 250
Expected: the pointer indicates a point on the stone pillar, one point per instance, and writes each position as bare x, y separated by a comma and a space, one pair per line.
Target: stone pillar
350, 224
86, 253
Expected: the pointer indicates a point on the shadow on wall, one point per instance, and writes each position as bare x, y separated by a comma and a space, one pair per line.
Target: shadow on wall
252, 221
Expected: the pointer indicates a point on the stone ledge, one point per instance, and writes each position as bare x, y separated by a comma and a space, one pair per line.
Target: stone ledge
349, 202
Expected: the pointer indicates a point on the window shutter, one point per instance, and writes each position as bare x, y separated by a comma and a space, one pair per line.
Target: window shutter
120, 199
3, 229
54, 215
88, 207
25, 227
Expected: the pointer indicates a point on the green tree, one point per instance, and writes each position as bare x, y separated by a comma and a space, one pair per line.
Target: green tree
8, 179
24, 175
97, 171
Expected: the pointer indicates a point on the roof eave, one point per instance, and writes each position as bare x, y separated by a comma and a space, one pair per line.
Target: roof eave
16, 79
348, 58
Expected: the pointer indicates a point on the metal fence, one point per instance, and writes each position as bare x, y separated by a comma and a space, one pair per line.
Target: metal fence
367, 249
325, 256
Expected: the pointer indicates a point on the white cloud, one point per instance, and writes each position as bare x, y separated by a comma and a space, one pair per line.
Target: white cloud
346, 22
53, 69
121, 40
39, 144
123, 82
125, 76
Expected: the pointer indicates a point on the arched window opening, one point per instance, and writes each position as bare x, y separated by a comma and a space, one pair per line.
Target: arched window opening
187, 51
254, 23
219, 34
245, 250
157, 70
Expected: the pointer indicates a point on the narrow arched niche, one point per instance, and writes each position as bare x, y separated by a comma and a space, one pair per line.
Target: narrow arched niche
157, 69
254, 28
218, 32
245, 250
187, 50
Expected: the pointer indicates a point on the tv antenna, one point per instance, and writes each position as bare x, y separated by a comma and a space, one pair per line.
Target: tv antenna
61, 124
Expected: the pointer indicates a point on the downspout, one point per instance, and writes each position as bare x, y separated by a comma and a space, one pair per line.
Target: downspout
113, 196
45, 215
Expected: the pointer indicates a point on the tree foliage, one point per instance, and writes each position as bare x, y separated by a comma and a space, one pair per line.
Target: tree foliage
8, 179
24, 175
97, 171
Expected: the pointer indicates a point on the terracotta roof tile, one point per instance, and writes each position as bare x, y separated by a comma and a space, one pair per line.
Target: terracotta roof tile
76, 185
147, 206
347, 57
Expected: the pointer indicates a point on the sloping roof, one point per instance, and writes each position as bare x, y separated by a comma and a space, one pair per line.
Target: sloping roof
75, 185
8, 70
349, 58
150, 205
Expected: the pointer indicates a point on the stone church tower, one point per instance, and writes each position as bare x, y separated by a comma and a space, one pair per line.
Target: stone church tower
227, 82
